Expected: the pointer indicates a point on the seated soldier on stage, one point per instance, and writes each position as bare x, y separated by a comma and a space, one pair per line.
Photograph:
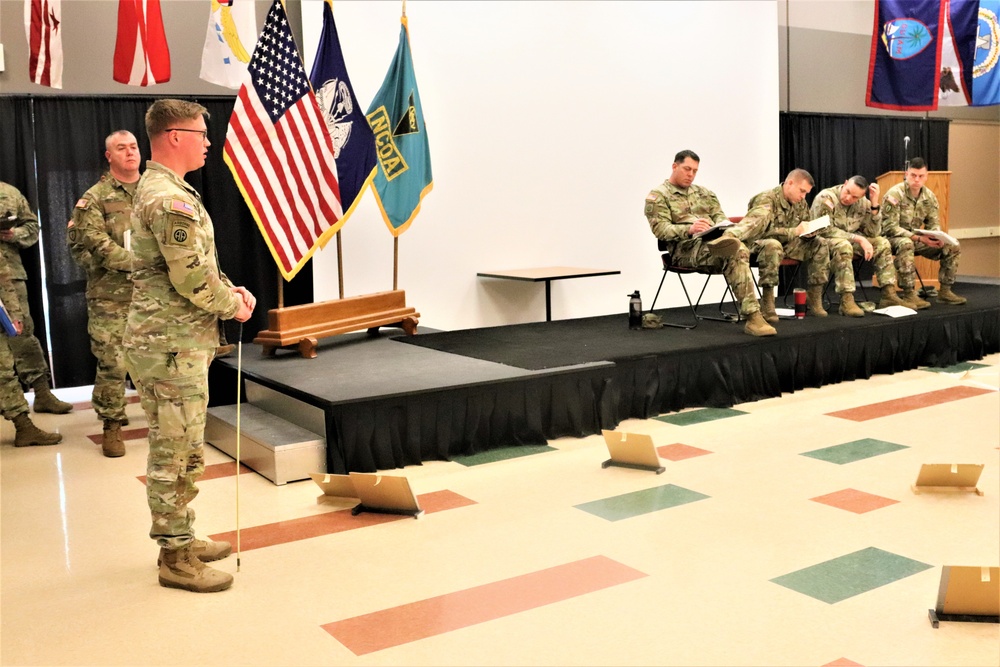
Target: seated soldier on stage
772, 228
855, 227
906, 208
677, 210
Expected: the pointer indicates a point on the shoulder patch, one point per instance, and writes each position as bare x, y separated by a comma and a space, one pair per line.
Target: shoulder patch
178, 233
69, 224
182, 207
892, 200
82, 203
652, 196
829, 203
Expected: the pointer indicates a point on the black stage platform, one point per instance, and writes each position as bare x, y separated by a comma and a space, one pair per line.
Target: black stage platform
392, 400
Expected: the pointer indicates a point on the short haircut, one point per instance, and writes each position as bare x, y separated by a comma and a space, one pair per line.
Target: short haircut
108, 139
164, 113
684, 154
859, 181
798, 174
917, 163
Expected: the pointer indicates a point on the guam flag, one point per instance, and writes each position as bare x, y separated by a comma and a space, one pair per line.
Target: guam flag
926, 52
353, 141
404, 158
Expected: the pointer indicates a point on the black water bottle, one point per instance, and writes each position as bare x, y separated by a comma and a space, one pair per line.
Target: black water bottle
634, 310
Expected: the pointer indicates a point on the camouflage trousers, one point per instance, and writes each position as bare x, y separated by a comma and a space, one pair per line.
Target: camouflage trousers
28, 356
173, 390
904, 249
694, 254
842, 252
12, 401
814, 251
106, 322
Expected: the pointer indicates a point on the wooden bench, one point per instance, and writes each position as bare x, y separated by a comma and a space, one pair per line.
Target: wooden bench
304, 325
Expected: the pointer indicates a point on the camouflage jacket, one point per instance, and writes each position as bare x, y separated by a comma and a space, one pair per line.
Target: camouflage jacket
14, 209
845, 221
178, 293
770, 215
7, 294
96, 238
671, 210
901, 212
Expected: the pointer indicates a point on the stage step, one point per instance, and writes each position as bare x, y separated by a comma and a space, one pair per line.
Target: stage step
277, 449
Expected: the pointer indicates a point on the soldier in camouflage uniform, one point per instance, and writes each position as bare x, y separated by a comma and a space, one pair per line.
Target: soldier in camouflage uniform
19, 229
12, 403
910, 206
178, 298
677, 210
856, 221
96, 236
773, 228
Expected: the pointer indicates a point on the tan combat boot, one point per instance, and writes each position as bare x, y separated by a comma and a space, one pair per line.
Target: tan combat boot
889, 297
814, 300
46, 401
29, 435
180, 568
945, 295
111, 443
912, 300
767, 305
848, 307
205, 550
724, 246
757, 326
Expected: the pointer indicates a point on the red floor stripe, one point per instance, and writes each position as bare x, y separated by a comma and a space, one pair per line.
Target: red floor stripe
214, 471
128, 434
453, 611
338, 521
886, 408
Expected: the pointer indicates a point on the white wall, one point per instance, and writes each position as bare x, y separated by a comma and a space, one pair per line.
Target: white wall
548, 123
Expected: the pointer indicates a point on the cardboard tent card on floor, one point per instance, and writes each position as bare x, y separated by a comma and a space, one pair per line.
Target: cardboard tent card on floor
385, 494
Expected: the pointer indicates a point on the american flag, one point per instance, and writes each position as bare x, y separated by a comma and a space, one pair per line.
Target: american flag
280, 153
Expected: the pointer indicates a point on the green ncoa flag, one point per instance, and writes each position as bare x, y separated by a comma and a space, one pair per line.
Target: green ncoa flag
404, 173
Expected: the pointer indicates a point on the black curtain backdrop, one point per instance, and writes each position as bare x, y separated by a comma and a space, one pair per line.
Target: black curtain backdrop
67, 158
833, 147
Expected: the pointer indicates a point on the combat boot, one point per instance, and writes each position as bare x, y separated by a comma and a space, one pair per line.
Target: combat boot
757, 326
205, 550
814, 300
889, 297
46, 401
767, 305
28, 435
848, 307
111, 443
945, 295
912, 300
724, 246
180, 568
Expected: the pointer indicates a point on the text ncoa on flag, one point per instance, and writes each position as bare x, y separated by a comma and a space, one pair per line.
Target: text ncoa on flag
279, 152
404, 175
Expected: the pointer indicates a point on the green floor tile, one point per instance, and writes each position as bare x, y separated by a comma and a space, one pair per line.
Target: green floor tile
501, 454
850, 575
854, 451
957, 368
641, 502
699, 416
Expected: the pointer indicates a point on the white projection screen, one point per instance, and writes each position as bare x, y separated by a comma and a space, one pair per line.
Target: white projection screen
548, 123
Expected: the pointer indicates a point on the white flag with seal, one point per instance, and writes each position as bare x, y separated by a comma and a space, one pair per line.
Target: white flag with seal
231, 38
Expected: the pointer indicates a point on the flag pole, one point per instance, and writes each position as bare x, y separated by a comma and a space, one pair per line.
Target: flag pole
340, 266
281, 291
395, 258
404, 8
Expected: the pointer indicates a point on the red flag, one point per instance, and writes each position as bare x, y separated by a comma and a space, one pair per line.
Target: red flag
280, 153
141, 54
43, 23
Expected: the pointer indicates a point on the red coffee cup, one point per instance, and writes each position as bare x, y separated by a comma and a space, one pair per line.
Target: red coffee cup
800, 302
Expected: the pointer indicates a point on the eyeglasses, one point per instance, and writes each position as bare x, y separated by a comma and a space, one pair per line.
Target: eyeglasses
203, 133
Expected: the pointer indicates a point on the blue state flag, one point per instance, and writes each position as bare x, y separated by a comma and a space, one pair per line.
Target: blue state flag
986, 71
404, 174
903, 70
353, 141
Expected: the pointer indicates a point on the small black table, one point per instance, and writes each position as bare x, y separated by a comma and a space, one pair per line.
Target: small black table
547, 274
